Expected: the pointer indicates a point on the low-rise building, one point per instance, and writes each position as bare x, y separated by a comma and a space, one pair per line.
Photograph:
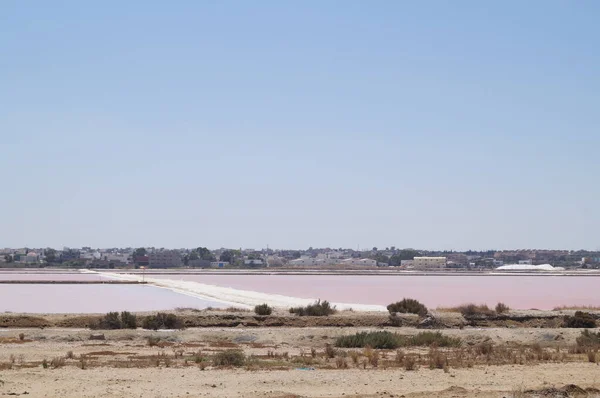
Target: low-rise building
359, 261
407, 263
165, 259
429, 262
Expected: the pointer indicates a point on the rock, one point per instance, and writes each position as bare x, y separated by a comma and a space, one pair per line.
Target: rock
431, 322
97, 337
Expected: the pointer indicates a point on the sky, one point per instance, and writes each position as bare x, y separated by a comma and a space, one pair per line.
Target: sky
434, 125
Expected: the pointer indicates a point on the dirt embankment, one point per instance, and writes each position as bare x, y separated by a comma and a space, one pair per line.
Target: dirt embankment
240, 318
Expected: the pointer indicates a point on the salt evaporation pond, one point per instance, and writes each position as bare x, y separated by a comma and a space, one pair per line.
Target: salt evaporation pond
51, 276
517, 291
73, 298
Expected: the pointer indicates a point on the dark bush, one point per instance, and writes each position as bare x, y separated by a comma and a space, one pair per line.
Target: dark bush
162, 321
128, 320
109, 321
379, 340
408, 306
473, 310
580, 320
588, 339
502, 308
388, 340
433, 338
263, 309
229, 358
112, 320
319, 308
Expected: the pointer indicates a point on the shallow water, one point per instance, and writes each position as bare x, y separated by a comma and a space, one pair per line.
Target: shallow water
93, 298
50, 276
519, 292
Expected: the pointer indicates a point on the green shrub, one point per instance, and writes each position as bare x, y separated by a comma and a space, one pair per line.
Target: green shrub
388, 340
318, 308
408, 306
128, 320
109, 321
580, 320
229, 358
162, 321
502, 308
112, 320
263, 309
380, 340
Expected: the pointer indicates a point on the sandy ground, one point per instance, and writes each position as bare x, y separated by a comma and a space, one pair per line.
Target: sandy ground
102, 379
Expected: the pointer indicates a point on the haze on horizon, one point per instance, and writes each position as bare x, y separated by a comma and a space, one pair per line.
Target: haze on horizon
462, 125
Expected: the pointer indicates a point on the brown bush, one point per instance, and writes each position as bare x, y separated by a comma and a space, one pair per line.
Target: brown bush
341, 363
410, 362
408, 306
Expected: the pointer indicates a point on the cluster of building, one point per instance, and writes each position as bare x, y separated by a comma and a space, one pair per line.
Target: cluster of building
310, 258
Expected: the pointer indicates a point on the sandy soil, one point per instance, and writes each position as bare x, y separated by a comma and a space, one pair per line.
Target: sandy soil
106, 374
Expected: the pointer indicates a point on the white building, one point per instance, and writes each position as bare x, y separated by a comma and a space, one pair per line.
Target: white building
359, 261
429, 262
32, 258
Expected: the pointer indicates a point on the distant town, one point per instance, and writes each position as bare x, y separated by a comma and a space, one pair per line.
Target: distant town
327, 258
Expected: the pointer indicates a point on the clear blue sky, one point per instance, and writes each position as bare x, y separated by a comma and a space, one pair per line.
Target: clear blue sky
450, 125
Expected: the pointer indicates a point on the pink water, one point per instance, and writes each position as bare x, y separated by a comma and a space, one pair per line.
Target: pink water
93, 299
520, 292
49, 276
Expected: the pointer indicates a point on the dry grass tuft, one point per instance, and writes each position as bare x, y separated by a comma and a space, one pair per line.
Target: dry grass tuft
57, 362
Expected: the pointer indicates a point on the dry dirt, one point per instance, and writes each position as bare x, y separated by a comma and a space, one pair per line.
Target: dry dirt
124, 365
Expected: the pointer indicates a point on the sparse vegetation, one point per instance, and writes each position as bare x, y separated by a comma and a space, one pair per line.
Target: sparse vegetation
153, 341
329, 351
388, 340
162, 321
502, 308
588, 339
57, 362
263, 309
470, 310
408, 306
410, 363
128, 320
235, 358
437, 359
378, 340
591, 356
340, 363
112, 320
579, 320
577, 308
319, 308
82, 363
